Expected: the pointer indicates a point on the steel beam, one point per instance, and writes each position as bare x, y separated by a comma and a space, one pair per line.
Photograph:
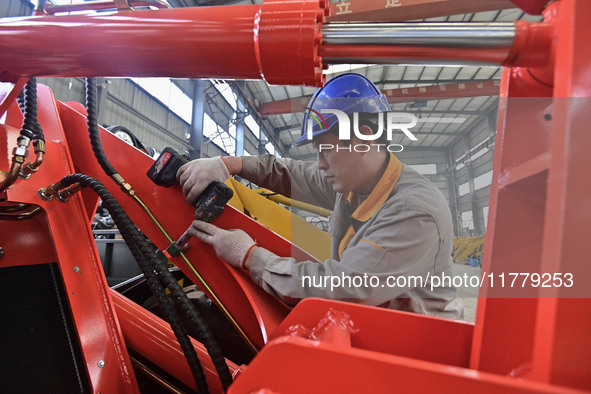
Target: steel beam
264, 129
197, 119
404, 95
240, 115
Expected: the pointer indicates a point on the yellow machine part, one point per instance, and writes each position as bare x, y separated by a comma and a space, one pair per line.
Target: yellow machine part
467, 246
280, 220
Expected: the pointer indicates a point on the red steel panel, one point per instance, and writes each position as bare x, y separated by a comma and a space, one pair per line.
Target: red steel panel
321, 367
257, 311
533, 7
414, 333
153, 338
560, 355
72, 246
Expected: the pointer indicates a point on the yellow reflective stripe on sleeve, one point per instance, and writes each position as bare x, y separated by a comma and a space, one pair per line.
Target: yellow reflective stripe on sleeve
374, 244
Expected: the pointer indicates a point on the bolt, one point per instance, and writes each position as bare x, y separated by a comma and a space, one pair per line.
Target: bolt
76, 268
44, 195
548, 116
101, 363
1, 252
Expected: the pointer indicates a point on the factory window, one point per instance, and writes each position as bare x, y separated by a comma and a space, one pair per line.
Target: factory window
460, 166
485, 216
210, 127
464, 189
270, 148
467, 221
253, 126
425, 169
227, 92
168, 94
483, 180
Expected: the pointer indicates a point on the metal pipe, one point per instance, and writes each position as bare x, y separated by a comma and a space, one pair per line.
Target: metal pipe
12, 174
65, 194
278, 198
475, 35
29, 168
18, 160
492, 44
47, 193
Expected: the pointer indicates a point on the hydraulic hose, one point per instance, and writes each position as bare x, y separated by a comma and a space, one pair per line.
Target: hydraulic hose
199, 327
131, 235
30, 109
93, 131
30, 130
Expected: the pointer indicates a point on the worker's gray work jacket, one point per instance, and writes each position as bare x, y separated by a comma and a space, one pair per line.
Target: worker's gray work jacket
394, 250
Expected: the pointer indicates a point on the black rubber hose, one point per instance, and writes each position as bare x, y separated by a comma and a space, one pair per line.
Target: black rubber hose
20, 99
93, 131
27, 102
131, 235
30, 109
198, 327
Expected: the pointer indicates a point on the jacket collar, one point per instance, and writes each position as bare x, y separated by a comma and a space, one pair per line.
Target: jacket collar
372, 203
379, 194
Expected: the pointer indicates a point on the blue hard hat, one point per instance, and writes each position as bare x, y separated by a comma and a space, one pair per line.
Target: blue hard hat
349, 93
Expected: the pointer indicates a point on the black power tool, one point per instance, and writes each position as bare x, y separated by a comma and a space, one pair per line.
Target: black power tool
210, 203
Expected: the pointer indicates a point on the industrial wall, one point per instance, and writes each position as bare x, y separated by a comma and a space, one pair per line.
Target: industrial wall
123, 103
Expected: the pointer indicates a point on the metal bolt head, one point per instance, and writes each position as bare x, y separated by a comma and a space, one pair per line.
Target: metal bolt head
101, 363
20, 151
1, 252
43, 194
76, 268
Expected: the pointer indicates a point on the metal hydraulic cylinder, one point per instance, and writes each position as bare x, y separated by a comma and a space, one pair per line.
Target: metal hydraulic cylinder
277, 41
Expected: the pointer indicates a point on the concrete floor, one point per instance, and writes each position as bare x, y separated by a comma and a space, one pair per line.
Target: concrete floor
467, 294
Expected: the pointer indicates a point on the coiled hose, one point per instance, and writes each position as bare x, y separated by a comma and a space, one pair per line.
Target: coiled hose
27, 102
198, 326
145, 260
95, 140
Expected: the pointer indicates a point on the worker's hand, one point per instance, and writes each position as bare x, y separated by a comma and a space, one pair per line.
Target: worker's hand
232, 246
196, 175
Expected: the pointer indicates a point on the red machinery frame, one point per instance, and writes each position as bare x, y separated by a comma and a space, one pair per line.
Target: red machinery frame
537, 342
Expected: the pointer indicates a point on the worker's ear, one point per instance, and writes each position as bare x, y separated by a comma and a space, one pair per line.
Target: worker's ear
364, 130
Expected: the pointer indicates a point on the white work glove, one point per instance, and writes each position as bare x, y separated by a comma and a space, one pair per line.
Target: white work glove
196, 175
232, 246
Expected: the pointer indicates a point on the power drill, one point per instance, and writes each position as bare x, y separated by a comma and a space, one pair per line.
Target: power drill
208, 206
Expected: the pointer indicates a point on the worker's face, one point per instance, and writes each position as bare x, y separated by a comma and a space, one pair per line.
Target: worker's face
340, 167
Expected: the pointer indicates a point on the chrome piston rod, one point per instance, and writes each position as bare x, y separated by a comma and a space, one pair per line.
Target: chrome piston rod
418, 43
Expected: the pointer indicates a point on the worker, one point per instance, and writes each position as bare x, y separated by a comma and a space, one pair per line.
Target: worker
391, 228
